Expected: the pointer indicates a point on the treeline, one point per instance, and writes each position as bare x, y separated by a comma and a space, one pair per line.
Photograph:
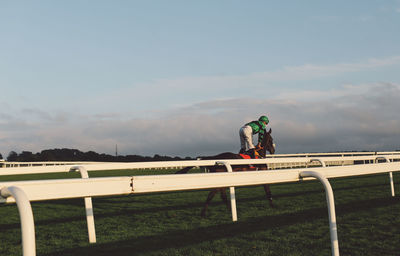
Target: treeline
66, 154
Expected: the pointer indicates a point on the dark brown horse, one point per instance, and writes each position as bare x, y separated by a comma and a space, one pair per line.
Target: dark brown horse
266, 144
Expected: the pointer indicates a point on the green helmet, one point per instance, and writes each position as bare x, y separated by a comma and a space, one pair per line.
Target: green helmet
263, 119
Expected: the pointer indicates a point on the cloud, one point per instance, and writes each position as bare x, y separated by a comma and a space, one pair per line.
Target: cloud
147, 99
171, 117
309, 71
291, 73
353, 117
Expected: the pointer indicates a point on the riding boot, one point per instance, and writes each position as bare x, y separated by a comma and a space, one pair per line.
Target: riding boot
252, 153
242, 150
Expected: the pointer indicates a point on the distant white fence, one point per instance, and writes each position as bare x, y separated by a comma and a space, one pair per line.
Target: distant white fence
22, 192
6, 164
355, 153
276, 162
273, 165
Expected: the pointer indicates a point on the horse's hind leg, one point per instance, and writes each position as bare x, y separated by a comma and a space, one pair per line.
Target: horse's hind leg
209, 198
268, 193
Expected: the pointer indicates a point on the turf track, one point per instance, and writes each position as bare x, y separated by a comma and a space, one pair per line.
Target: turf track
169, 223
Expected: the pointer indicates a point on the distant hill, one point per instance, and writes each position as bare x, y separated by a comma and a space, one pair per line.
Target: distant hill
66, 154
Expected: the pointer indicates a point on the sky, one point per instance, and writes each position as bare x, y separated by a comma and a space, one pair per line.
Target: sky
180, 78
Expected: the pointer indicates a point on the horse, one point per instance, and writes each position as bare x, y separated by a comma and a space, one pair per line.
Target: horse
266, 144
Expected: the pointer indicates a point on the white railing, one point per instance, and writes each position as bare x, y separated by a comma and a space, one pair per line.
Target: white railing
26, 191
276, 163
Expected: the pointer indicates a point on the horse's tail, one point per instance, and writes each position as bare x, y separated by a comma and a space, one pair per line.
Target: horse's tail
184, 170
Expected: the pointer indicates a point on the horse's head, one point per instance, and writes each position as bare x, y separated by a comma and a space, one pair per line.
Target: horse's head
267, 144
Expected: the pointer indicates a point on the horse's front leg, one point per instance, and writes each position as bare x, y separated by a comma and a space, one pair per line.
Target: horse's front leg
209, 198
269, 194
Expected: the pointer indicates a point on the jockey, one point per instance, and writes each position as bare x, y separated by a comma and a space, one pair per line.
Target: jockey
246, 135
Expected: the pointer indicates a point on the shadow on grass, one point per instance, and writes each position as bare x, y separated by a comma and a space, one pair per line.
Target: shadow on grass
185, 238
321, 190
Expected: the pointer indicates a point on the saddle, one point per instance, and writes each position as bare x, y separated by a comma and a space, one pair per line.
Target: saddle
247, 156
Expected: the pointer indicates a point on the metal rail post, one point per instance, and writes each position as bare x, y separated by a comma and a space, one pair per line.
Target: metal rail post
232, 192
390, 174
26, 216
88, 206
331, 208
391, 183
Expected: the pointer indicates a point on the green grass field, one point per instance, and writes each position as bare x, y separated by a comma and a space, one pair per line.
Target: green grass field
170, 223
